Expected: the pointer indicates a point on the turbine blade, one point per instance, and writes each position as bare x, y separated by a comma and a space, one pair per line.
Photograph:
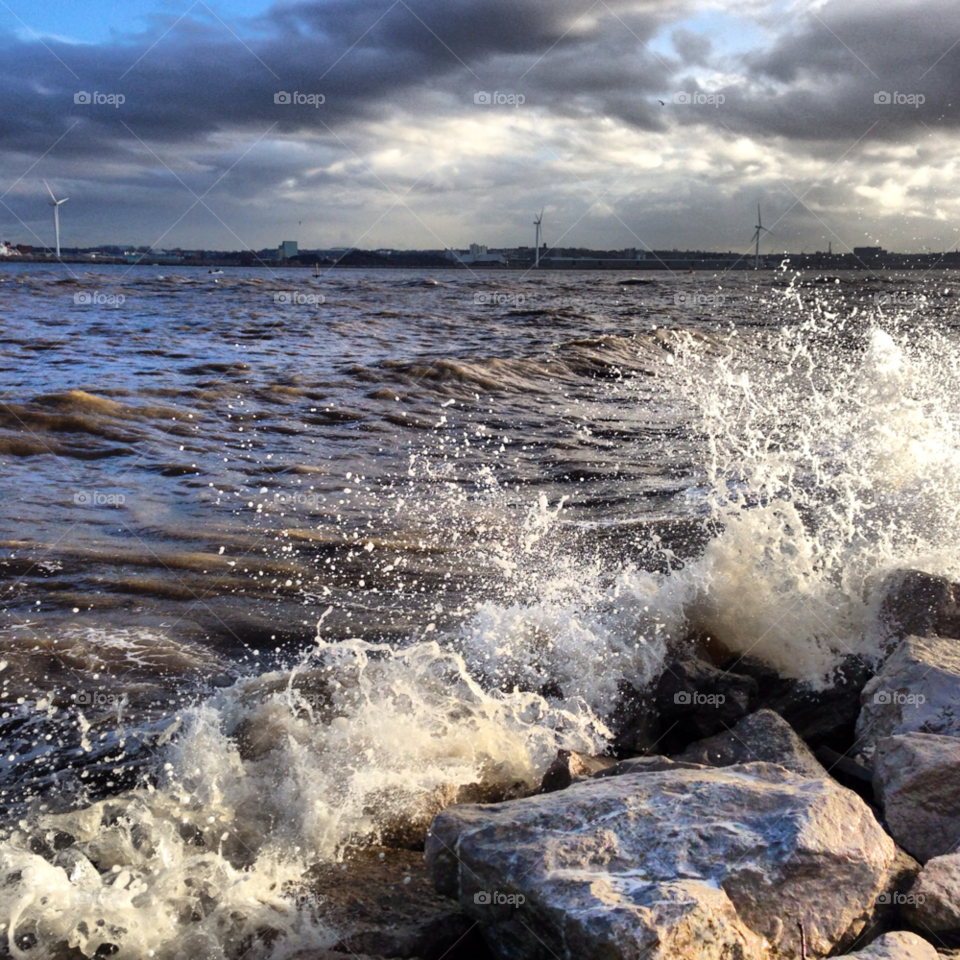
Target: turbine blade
52, 197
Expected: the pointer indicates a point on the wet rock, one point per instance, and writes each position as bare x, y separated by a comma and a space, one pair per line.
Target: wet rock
818, 716
918, 688
764, 736
919, 604
571, 766
604, 868
934, 901
645, 765
635, 722
899, 945
916, 778
382, 903
695, 700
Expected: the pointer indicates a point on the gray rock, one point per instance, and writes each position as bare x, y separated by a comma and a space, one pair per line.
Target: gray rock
827, 716
934, 901
916, 778
645, 765
763, 736
920, 604
695, 699
571, 766
886, 915
899, 945
620, 865
918, 688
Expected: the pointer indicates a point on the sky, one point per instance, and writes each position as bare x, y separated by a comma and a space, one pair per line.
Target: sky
654, 124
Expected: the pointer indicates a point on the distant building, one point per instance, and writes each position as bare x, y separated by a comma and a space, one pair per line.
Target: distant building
477, 255
869, 252
6, 250
287, 250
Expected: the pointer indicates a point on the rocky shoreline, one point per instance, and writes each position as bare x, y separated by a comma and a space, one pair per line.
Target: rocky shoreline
743, 816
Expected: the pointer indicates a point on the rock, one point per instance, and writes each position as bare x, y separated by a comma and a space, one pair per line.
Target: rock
934, 901
899, 945
918, 688
919, 604
763, 735
695, 699
382, 903
916, 778
853, 775
571, 766
886, 915
645, 765
819, 717
635, 722
620, 865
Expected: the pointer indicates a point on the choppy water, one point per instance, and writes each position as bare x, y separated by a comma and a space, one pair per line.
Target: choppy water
280, 578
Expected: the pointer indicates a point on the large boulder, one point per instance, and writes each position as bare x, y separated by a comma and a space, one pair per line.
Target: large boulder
899, 945
916, 778
695, 699
622, 865
763, 736
921, 604
934, 901
918, 688
819, 716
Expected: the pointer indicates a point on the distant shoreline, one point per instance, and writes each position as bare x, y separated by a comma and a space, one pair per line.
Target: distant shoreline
921, 262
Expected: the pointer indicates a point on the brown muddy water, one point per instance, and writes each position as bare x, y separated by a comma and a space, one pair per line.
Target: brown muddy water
287, 564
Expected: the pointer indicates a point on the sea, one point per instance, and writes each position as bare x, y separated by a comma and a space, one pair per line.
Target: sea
289, 563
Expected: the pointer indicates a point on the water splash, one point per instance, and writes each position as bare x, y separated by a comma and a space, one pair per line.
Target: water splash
834, 457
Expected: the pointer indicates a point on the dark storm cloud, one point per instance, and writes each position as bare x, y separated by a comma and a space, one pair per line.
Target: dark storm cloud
368, 59
820, 79
371, 60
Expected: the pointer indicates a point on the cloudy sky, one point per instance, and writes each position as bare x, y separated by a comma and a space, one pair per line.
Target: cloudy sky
401, 154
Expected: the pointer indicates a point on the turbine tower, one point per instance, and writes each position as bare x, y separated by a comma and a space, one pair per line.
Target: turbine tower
55, 203
756, 238
536, 223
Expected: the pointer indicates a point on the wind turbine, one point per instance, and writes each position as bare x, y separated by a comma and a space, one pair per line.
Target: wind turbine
55, 203
537, 223
756, 237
